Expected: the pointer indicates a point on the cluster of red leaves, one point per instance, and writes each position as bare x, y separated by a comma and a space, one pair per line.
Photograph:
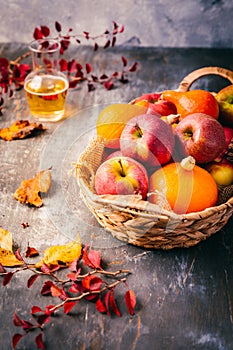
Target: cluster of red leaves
79, 285
13, 73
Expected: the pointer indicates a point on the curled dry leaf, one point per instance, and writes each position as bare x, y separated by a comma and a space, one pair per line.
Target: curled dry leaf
61, 254
7, 257
20, 130
29, 190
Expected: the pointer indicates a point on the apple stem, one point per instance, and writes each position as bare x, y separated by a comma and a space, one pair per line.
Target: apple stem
122, 169
188, 163
139, 130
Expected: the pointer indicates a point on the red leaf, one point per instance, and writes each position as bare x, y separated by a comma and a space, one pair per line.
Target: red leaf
113, 304
37, 34
58, 26
96, 46
106, 300
35, 310
17, 320
72, 66
107, 44
48, 309
113, 41
108, 85
16, 338
30, 252
86, 34
130, 300
92, 283
31, 280
124, 60
2, 269
27, 325
134, 67
39, 341
45, 268
69, 306
55, 291
46, 288
42, 319
45, 30
7, 278
88, 68
74, 266
121, 29
100, 306
18, 255
91, 258
63, 65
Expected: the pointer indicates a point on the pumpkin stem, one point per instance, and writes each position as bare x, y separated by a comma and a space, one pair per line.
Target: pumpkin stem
188, 163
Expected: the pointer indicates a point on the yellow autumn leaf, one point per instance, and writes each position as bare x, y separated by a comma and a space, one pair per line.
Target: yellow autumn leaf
7, 257
61, 254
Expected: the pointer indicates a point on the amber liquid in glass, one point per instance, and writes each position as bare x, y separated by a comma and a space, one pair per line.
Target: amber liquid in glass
46, 96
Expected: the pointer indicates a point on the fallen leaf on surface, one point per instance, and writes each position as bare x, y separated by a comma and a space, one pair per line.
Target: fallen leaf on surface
20, 130
62, 254
7, 257
29, 190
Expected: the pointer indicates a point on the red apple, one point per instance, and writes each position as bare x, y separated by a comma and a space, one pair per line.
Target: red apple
156, 105
225, 102
228, 136
117, 153
121, 176
201, 136
147, 139
222, 172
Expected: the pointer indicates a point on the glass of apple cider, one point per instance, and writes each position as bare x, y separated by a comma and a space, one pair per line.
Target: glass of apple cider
46, 87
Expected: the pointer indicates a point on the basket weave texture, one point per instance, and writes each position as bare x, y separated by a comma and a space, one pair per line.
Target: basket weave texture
141, 223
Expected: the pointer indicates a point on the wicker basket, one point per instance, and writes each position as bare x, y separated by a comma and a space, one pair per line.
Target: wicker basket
144, 224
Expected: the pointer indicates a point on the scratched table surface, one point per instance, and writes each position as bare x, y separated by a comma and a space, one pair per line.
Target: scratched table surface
184, 296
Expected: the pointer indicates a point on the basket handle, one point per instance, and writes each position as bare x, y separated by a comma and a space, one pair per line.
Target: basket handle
198, 73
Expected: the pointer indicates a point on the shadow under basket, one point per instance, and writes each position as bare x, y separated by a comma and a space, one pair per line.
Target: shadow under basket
141, 223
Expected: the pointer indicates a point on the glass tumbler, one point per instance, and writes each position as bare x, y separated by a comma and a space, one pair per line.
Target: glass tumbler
46, 87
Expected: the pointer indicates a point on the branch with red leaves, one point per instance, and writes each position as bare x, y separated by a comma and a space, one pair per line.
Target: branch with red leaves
13, 73
84, 281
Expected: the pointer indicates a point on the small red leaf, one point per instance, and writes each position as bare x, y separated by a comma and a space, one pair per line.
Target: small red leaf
91, 258
37, 34
35, 310
63, 65
113, 304
30, 252
130, 300
18, 255
58, 26
17, 320
122, 28
86, 34
106, 300
113, 41
134, 67
2, 269
42, 319
45, 268
108, 85
124, 60
100, 306
92, 283
16, 338
46, 288
88, 68
27, 325
55, 291
31, 280
39, 341
96, 46
107, 44
69, 306
45, 30
7, 278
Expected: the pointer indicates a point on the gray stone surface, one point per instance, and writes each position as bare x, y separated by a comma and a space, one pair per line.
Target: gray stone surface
158, 23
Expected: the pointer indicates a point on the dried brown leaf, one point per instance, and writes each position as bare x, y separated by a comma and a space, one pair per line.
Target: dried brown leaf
20, 130
29, 190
